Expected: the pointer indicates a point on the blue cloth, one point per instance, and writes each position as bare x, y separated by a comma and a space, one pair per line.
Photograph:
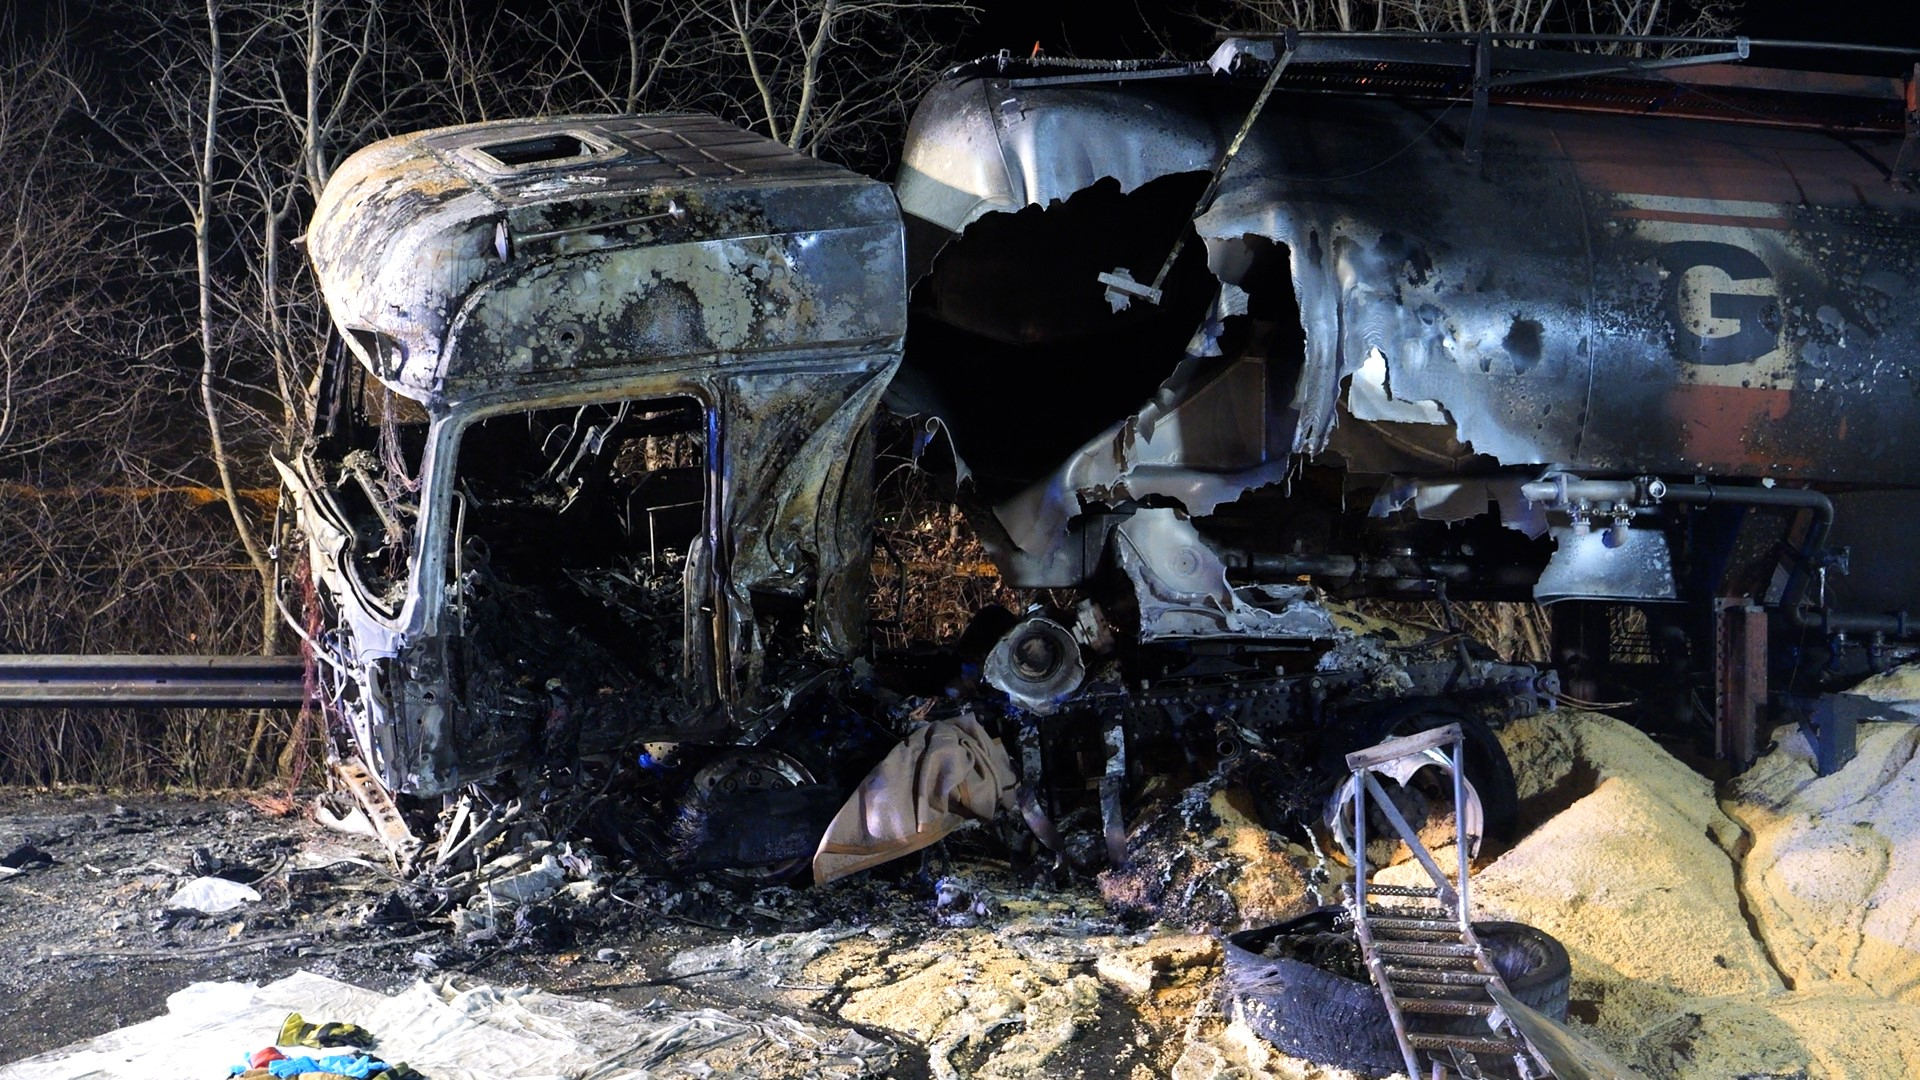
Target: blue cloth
356, 1065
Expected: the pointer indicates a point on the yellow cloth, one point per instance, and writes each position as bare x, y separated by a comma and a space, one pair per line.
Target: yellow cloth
937, 779
297, 1032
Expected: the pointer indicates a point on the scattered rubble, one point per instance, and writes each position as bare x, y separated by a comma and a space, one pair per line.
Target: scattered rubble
1202, 860
774, 961
1764, 930
977, 1003
22, 858
210, 896
1138, 971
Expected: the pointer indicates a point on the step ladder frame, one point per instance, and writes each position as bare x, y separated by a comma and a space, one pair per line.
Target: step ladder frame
1454, 897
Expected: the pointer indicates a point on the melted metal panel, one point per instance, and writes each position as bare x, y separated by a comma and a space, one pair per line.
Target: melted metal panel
1180, 586
1204, 439
1631, 564
795, 523
1600, 293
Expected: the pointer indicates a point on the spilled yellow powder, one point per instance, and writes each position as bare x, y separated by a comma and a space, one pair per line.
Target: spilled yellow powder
1650, 881
1270, 882
1833, 869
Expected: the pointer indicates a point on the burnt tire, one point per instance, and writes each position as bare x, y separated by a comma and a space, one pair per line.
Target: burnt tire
1322, 1016
1488, 769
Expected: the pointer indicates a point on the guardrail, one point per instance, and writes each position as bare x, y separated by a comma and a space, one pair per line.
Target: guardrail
211, 682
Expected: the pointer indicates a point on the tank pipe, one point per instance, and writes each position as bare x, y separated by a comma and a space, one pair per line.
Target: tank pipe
1566, 491
1261, 565
1792, 596
1467, 37
1895, 624
1563, 490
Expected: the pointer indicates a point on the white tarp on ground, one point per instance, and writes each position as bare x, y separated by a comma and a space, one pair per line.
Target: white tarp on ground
482, 1033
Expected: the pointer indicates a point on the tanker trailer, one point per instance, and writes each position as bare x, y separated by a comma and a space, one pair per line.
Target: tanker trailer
1637, 339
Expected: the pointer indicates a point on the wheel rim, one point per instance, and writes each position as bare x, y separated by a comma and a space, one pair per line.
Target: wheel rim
1338, 819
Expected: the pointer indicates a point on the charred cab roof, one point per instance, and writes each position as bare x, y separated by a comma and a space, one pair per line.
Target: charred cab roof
508, 256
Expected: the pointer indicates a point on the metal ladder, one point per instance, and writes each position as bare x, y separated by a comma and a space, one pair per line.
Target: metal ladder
1419, 946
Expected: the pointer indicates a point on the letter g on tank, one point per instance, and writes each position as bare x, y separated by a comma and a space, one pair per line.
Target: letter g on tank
1722, 302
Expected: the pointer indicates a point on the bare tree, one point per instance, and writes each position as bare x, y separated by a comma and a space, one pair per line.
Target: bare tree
176, 139
832, 78
102, 547
47, 288
247, 106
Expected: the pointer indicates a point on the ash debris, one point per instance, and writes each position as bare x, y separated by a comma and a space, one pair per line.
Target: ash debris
1201, 859
1204, 819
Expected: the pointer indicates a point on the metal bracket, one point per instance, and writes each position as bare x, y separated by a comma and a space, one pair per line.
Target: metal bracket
1121, 287
1112, 788
1484, 80
402, 846
1832, 723
1833, 730
1739, 680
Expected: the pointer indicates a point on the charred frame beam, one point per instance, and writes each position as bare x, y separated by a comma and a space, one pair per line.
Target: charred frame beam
1739, 680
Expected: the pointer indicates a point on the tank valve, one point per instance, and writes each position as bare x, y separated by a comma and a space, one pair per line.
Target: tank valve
1622, 517
1580, 516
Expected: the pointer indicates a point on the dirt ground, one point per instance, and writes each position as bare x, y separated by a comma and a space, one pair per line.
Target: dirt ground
995, 982
1764, 930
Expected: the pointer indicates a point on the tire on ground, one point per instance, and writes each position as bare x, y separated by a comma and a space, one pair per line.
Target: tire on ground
1311, 1013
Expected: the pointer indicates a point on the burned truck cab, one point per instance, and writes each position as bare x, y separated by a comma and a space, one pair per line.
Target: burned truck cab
592, 463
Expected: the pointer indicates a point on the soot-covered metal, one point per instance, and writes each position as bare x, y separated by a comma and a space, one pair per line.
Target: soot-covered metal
622, 376
601, 479
1415, 304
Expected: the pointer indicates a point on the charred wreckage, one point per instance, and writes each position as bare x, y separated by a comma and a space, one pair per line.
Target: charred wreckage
1197, 347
